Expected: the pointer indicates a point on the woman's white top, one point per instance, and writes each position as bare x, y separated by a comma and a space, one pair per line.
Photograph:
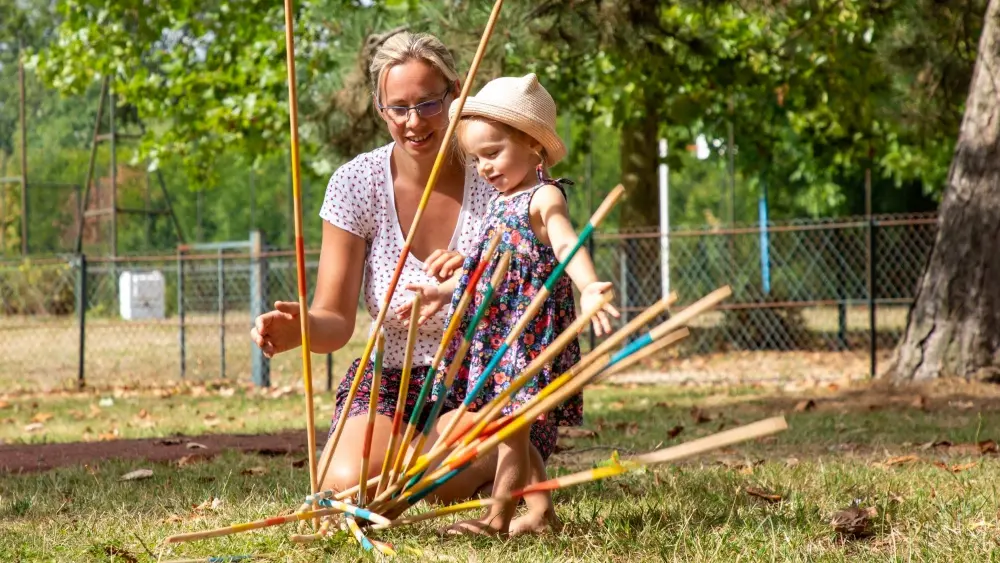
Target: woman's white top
360, 199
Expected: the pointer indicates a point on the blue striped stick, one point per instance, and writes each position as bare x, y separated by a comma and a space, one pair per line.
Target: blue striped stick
442, 388
541, 404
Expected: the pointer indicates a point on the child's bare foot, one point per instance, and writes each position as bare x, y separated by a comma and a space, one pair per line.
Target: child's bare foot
486, 526
540, 522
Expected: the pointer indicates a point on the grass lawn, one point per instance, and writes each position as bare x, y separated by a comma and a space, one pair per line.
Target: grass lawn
848, 445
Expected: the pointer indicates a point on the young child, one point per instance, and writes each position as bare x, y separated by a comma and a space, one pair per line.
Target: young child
508, 130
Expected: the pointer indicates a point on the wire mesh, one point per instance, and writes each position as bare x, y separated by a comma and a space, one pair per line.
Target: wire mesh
800, 290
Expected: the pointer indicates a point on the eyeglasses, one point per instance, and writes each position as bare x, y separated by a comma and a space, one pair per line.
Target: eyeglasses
430, 108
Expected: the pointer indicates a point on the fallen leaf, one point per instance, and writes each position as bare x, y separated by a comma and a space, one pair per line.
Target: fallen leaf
227, 392
137, 475
962, 405
919, 402
663, 404
937, 444
169, 442
173, 518
143, 414
114, 551
107, 436
210, 504
988, 447
259, 470
195, 446
4, 405
630, 428
210, 422
956, 468
107, 402
673, 432
575, 432
699, 416
791, 462
192, 459
854, 522
617, 405
299, 463
34, 427
803, 406
762, 494
900, 460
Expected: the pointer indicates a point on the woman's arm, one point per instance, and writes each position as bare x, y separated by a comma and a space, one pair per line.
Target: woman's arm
338, 284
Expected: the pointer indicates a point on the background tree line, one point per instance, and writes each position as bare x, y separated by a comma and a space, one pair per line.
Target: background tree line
812, 93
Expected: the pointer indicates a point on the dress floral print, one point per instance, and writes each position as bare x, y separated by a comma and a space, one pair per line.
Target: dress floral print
531, 264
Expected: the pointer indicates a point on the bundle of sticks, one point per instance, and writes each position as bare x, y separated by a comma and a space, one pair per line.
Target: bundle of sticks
385, 500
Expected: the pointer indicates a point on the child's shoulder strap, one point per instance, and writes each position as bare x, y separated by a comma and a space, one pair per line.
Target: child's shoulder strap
560, 183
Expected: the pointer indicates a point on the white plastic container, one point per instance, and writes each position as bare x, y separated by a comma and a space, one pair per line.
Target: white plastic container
141, 295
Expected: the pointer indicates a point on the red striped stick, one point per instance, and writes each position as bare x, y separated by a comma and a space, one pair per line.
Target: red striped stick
300, 263
431, 180
404, 388
373, 397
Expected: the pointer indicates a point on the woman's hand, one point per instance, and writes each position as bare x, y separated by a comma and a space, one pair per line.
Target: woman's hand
279, 330
590, 297
432, 299
443, 263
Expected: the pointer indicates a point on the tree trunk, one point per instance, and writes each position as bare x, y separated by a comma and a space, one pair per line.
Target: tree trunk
640, 208
953, 328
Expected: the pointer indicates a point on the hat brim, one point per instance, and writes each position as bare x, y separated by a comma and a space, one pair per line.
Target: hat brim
555, 150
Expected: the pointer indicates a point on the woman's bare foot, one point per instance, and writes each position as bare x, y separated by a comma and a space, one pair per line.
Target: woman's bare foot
489, 525
535, 522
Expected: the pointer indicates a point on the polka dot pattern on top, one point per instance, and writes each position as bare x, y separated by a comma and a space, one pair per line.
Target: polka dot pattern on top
360, 200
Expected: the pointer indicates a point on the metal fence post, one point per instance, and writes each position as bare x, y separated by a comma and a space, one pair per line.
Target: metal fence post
180, 307
221, 280
870, 273
81, 313
258, 296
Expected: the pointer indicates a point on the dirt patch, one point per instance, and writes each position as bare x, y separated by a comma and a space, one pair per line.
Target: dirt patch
42, 457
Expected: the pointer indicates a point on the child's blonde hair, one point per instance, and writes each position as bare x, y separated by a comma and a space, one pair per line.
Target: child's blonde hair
515, 134
404, 47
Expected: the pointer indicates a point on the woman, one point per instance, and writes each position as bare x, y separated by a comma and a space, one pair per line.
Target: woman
369, 206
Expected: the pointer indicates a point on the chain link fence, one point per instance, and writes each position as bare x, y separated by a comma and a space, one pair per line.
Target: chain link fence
833, 293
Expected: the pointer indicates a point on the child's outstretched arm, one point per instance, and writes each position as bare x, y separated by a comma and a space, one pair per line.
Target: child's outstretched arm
550, 221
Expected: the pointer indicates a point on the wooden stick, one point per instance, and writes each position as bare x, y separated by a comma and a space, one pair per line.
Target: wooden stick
255, 525
744, 433
300, 264
404, 387
460, 461
446, 339
431, 180
499, 273
646, 352
373, 396
491, 411
571, 332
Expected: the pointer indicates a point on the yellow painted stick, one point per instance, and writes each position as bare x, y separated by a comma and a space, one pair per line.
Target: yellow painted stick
300, 265
373, 396
492, 410
404, 388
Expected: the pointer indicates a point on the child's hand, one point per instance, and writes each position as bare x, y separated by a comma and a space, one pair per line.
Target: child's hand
443, 263
432, 300
590, 297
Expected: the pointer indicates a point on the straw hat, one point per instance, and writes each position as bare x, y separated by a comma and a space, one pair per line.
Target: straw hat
522, 103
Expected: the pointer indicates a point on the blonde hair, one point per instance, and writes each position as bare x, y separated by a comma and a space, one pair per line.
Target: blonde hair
404, 47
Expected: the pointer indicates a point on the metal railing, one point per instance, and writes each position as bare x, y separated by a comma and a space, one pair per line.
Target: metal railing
817, 287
